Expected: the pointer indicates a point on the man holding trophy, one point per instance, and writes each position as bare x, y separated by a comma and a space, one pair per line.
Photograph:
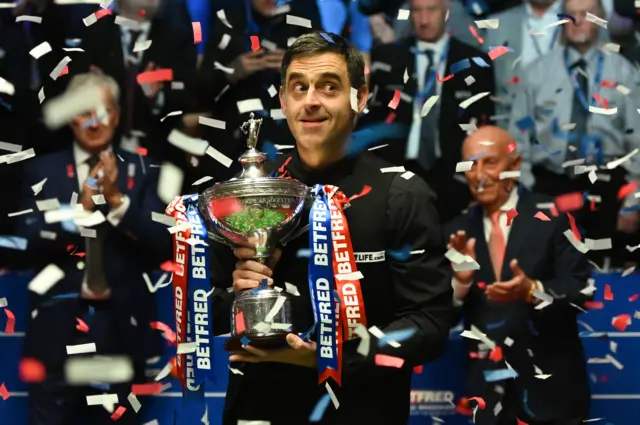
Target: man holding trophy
326, 246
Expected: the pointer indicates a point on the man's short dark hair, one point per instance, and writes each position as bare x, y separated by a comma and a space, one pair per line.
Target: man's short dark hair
318, 43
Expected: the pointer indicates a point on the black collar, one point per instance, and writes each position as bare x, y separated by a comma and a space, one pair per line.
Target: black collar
326, 175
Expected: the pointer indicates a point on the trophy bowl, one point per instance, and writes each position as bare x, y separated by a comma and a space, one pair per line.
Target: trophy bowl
258, 211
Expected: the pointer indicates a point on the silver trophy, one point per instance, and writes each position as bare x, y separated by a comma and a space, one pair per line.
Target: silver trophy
258, 211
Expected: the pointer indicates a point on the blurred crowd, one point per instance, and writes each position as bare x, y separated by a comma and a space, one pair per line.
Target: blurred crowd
225, 59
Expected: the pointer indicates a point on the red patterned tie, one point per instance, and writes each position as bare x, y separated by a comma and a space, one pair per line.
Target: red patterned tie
496, 244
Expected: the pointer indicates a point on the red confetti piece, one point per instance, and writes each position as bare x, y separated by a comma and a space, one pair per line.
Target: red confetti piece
481, 403
497, 52
64, 71
474, 32
511, 214
633, 297
496, 355
569, 202
482, 285
3, 392
367, 71
102, 13
393, 104
603, 378
574, 228
418, 369
608, 294
71, 247
515, 80
365, 191
541, 216
554, 211
521, 422
474, 355
255, 43
592, 205
445, 79
130, 183
608, 83
627, 189
147, 389
240, 327
223, 207
167, 332
142, 151
10, 327
119, 412
197, 32
31, 370
286, 162
70, 172
511, 147
170, 267
164, 74
388, 361
81, 326
142, 13
390, 118
621, 322
79, 254
594, 305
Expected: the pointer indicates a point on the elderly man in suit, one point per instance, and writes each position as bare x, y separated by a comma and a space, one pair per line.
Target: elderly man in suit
525, 296
100, 296
416, 70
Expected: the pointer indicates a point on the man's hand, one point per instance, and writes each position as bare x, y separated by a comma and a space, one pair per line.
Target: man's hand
460, 243
249, 273
299, 353
628, 223
380, 29
516, 289
88, 191
111, 193
154, 87
273, 60
246, 64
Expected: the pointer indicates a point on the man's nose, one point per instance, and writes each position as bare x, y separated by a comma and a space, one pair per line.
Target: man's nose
312, 98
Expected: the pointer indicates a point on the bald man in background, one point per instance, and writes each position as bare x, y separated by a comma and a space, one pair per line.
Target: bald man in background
526, 262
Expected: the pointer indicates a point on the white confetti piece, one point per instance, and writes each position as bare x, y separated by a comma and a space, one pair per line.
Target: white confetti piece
334, 399
141, 46
221, 67
170, 114
81, 348
250, 105
187, 347
236, 371
41, 95
403, 14
48, 204
508, 341
224, 41
542, 376
598, 244
596, 20
188, 144
101, 399
243, 422
272, 91
602, 111
382, 66
275, 309
133, 401
407, 175
576, 244
611, 47
127, 23
292, 289
616, 162
398, 169
202, 180
623, 89
469, 80
40, 50
365, 340
90, 20
210, 122
61, 110
169, 182
465, 104
8, 5
277, 114
281, 147
405, 76
98, 199
301, 22
460, 261
3, 302
615, 362
59, 68
88, 233
49, 235
11, 147
428, 105
219, 156
464, 166
21, 212
46, 279
628, 271
556, 24
7, 87
488, 23
509, 174
12, 158
223, 17
107, 369
354, 99
95, 218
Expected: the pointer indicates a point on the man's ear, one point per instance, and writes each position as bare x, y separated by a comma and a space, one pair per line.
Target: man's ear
283, 104
515, 162
363, 96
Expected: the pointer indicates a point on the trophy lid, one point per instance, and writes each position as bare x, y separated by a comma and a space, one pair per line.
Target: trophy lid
252, 160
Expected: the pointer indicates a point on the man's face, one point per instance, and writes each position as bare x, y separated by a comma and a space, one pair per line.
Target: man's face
484, 177
428, 18
94, 130
316, 101
583, 31
264, 7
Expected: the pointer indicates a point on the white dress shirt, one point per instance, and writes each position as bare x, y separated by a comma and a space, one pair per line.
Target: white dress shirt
114, 216
535, 23
422, 63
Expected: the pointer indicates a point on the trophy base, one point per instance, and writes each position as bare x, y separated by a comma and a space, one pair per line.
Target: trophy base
270, 342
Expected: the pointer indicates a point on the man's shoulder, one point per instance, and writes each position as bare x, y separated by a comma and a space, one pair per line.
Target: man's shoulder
51, 159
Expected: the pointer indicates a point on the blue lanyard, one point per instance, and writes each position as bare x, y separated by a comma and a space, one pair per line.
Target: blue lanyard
432, 75
598, 80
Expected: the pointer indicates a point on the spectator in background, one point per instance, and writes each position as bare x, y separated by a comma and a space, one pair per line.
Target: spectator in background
111, 299
431, 143
236, 69
564, 142
517, 257
180, 14
121, 51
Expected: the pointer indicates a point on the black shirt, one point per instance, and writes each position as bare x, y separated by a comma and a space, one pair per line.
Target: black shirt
398, 295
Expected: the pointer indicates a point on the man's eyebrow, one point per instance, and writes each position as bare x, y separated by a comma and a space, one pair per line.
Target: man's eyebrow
324, 75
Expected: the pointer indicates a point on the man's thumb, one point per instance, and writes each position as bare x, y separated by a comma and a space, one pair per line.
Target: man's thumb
515, 267
471, 247
294, 341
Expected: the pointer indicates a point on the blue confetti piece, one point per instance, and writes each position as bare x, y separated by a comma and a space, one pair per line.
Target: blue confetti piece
270, 149
90, 122
495, 325
478, 156
477, 7
303, 253
319, 409
100, 386
73, 42
91, 182
327, 37
369, 136
245, 341
401, 254
281, 2
545, 149
532, 328
397, 336
499, 375
525, 404
480, 62
92, 311
67, 296
13, 242
459, 66
6, 105
525, 124
566, 16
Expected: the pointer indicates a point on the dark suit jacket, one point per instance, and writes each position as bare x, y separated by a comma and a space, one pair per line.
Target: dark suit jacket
135, 246
453, 196
545, 254
170, 48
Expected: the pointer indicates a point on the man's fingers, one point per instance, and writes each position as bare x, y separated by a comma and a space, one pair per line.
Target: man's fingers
244, 253
254, 266
255, 351
240, 285
246, 358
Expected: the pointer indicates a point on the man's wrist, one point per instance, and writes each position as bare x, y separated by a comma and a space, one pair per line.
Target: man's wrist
115, 200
